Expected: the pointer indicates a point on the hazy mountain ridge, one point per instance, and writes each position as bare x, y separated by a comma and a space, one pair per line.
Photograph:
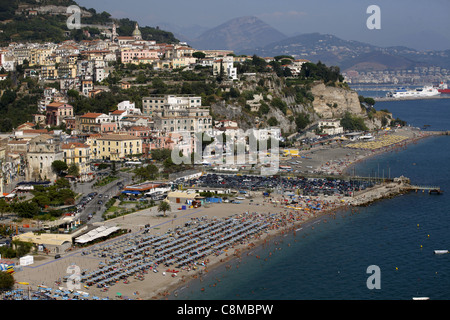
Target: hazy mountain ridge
250, 35
238, 34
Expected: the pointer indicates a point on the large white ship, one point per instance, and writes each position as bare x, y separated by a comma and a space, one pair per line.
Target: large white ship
427, 91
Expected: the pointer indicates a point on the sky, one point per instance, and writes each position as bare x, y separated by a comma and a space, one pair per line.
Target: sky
422, 25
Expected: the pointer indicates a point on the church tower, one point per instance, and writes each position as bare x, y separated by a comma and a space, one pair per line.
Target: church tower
114, 32
137, 33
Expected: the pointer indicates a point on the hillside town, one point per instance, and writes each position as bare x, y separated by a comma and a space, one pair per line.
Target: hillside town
126, 132
129, 161
98, 129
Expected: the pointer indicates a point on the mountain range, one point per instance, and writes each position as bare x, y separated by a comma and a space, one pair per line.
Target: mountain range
238, 34
249, 35
244, 35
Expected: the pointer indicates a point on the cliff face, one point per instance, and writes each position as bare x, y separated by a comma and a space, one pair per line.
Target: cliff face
329, 102
333, 102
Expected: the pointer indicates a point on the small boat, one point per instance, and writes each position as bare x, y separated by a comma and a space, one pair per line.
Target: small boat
440, 251
421, 298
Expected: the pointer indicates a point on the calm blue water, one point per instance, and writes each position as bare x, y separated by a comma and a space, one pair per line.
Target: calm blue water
329, 260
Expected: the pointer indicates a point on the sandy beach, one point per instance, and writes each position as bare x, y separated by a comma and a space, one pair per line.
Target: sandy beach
47, 271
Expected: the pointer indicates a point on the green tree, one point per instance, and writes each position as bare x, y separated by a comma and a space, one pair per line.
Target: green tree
62, 183
4, 207
6, 280
199, 55
302, 120
148, 172
73, 170
272, 121
370, 101
160, 155
263, 108
163, 207
59, 166
353, 123
280, 104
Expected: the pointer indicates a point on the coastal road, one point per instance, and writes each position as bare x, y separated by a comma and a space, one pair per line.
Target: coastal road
108, 190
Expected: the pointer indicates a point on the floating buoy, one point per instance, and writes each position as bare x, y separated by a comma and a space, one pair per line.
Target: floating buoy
396, 268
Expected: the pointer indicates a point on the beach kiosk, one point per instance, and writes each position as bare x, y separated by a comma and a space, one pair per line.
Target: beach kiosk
26, 260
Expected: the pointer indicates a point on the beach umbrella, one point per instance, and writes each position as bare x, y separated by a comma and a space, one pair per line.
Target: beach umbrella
119, 294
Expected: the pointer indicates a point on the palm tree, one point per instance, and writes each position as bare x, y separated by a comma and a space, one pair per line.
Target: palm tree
164, 206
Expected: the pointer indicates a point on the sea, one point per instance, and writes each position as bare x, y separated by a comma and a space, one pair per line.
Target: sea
389, 243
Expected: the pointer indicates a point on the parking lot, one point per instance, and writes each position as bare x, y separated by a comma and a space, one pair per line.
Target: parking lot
279, 184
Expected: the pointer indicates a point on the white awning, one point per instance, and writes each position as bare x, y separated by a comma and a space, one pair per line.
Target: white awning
96, 234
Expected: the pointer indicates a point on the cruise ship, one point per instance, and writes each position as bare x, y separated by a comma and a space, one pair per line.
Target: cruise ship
427, 91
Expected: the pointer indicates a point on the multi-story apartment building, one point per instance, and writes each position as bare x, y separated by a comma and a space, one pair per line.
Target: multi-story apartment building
79, 154
48, 72
158, 103
67, 70
39, 56
56, 112
91, 122
183, 120
114, 146
127, 55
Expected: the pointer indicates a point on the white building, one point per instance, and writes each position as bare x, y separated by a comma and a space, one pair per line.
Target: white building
128, 106
225, 64
330, 126
158, 103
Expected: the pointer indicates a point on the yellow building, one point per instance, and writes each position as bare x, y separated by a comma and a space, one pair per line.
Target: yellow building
182, 62
67, 70
39, 56
163, 64
49, 72
114, 146
79, 154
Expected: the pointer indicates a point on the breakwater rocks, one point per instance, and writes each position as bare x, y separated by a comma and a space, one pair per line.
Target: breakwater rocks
388, 190
384, 190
